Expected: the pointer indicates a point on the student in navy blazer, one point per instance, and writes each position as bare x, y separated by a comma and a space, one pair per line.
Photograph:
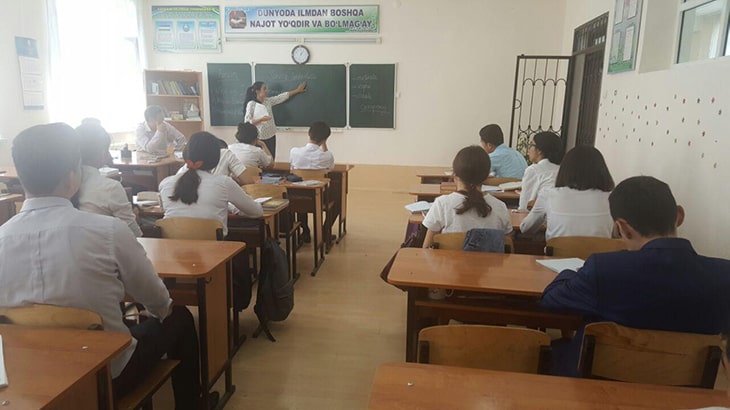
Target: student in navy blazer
660, 283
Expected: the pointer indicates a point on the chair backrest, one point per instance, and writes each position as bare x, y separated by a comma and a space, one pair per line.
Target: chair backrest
615, 352
485, 347
581, 246
191, 228
455, 241
311, 174
250, 175
265, 190
51, 316
495, 181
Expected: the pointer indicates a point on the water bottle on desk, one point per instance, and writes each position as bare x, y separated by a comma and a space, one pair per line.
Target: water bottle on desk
126, 153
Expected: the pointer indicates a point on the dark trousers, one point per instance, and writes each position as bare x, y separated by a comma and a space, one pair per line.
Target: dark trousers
271, 145
177, 338
303, 217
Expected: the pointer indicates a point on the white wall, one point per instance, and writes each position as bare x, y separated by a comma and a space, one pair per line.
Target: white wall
442, 48
25, 18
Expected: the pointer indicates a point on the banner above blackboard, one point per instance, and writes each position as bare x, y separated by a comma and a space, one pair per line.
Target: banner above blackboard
302, 19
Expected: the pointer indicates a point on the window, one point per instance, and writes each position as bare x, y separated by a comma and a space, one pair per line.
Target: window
703, 30
95, 68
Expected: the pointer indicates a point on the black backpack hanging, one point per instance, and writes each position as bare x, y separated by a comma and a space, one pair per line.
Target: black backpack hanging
275, 294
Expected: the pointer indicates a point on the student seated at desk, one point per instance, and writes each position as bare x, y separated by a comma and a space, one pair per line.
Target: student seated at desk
99, 194
468, 207
545, 153
154, 135
506, 162
578, 205
198, 193
250, 150
228, 165
314, 155
54, 254
660, 283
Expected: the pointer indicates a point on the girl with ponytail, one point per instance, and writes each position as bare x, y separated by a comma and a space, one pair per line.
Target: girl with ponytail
467, 208
198, 193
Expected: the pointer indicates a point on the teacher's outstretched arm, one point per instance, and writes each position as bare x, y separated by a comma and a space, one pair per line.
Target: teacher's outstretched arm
302, 87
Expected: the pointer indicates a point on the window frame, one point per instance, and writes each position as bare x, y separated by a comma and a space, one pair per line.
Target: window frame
722, 45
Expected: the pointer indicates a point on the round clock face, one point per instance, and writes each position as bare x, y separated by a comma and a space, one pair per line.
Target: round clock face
300, 54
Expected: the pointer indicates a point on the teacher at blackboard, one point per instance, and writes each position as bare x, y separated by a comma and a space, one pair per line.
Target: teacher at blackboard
257, 111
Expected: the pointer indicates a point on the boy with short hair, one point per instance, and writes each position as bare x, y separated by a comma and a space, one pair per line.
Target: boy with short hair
314, 155
250, 150
661, 283
99, 194
154, 135
506, 162
51, 253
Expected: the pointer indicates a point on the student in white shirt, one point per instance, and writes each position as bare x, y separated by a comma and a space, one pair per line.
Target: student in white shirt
228, 165
154, 135
257, 110
314, 155
249, 149
467, 208
51, 253
545, 153
99, 194
198, 193
578, 205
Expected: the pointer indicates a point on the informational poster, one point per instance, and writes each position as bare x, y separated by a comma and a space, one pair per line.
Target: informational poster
625, 40
301, 19
31, 73
187, 29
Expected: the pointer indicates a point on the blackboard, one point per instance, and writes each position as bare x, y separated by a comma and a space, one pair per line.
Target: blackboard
372, 92
325, 99
227, 85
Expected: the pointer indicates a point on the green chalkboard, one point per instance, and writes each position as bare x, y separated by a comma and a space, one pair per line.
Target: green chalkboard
325, 99
372, 92
227, 85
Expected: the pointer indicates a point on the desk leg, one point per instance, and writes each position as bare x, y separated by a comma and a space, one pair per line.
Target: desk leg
317, 228
411, 326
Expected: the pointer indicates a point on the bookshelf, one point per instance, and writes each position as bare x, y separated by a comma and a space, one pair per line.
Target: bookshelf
177, 92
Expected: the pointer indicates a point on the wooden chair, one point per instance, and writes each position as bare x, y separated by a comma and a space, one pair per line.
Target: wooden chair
77, 318
495, 181
615, 352
581, 246
485, 347
191, 228
328, 204
455, 241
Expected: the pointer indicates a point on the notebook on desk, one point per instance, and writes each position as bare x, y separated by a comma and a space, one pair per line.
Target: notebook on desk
510, 186
273, 203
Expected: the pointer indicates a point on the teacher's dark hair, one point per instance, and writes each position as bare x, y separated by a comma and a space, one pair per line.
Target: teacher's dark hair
203, 147
550, 145
247, 133
472, 165
645, 203
584, 168
251, 94
44, 155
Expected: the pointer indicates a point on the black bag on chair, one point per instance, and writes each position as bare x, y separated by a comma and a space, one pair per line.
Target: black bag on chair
275, 295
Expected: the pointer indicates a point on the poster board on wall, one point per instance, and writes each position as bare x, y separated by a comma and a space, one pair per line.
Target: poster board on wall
187, 29
625, 39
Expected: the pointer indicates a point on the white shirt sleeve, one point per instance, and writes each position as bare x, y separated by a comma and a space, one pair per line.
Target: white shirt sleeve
536, 218
121, 208
278, 99
502, 213
434, 219
248, 111
242, 201
138, 275
141, 139
264, 159
171, 135
234, 165
529, 187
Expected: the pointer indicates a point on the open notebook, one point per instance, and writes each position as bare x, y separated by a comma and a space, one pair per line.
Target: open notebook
559, 265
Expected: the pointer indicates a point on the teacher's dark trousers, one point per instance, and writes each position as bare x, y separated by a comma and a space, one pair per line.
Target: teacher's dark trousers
271, 145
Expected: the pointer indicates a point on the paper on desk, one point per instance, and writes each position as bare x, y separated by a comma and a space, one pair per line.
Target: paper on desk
559, 265
262, 199
419, 206
3, 375
307, 182
491, 188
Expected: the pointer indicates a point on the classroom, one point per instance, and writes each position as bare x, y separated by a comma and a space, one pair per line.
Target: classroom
456, 67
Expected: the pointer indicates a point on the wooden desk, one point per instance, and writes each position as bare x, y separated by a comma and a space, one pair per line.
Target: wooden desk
208, 263
50, 368
405, 386
429, 192
308, 198
517, 279
435, 175
7, 206
142, 170
339, 184
8, 174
